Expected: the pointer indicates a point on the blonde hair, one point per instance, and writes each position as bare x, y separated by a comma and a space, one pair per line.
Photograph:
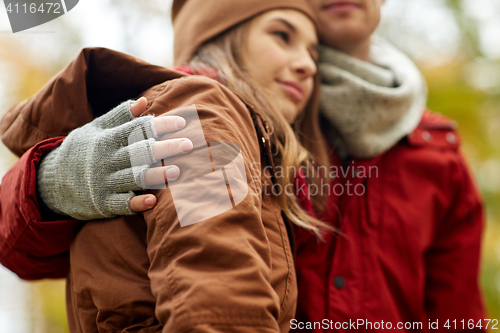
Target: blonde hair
225, 55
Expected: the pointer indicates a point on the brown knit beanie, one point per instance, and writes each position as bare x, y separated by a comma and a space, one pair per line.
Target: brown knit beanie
197, 21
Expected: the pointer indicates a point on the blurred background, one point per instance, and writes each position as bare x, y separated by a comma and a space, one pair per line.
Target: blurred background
456, 43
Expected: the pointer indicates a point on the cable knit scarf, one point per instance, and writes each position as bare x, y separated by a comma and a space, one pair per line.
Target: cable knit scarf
370, 106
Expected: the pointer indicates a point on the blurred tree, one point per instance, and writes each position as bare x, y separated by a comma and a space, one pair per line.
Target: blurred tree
23, 71
469, 30
464, 84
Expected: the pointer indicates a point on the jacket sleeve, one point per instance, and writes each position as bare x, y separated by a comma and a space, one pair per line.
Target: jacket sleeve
214, 275
30, 247
453, 261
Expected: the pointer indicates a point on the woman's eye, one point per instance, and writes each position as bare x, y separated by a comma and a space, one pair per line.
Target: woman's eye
282, 35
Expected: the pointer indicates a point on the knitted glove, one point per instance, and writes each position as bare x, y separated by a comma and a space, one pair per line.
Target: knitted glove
90, 176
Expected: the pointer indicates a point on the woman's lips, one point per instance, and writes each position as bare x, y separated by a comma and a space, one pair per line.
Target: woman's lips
294, 90
341, 6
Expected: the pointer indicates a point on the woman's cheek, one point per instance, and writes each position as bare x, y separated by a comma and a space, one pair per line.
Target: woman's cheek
309, 89
272, 54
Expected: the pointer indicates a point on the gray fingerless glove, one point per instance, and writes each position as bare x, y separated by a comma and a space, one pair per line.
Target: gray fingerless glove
90, 176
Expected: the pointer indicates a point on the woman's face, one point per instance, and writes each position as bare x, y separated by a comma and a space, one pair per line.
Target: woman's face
281, 56
345, 23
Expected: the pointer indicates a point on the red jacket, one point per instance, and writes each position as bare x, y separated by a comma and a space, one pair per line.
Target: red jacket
410, 243
30, 247
409, 248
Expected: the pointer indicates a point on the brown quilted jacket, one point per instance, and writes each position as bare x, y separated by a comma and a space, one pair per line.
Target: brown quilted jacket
230, 273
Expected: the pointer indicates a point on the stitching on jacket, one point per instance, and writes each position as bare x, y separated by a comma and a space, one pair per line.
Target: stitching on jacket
289, 273
151, 101
225, 320
45, 134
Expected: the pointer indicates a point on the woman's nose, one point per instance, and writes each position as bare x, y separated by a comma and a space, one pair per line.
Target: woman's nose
304, 66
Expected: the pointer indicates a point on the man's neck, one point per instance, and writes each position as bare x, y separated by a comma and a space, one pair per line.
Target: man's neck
360, 50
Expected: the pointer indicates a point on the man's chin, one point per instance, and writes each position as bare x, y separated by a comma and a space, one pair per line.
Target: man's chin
343, 36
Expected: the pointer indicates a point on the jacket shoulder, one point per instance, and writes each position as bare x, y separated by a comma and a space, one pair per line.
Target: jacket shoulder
192, 85
197, 90
435, 131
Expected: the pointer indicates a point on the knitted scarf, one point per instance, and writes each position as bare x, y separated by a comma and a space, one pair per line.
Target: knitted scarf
370, 106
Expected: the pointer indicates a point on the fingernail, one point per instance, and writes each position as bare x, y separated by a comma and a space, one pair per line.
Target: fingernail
180, 123
171, 173
149, 202
186, 145
136, 102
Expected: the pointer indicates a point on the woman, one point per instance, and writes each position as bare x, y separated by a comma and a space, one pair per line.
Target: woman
232, 271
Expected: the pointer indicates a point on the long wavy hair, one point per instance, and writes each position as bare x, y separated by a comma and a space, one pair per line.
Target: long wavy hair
299, 146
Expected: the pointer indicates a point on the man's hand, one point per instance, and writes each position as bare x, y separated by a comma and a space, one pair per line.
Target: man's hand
161, 150
94, 172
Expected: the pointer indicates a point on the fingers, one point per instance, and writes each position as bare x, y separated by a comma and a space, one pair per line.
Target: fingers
142, 178
162, 124
161, 176
142, 203
167, 124
134, 155
138, 107
118, 116
173, 147
117, 204
127, 116
153, 176
136, 130
140, 148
